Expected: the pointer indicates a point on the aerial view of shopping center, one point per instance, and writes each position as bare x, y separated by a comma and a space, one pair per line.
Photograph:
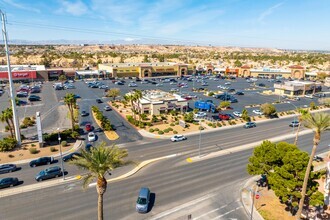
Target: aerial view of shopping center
164, 110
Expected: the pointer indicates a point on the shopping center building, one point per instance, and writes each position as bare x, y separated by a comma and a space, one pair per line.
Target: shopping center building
156, 102
143, 70
297, 88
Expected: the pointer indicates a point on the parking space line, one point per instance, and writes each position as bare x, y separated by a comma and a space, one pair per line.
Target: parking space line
214, 210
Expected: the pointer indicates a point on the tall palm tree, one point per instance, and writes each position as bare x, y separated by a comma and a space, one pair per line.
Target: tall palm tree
303, 113
99, 161
131, 98
319, 123
137, 96
71, 101
7, 116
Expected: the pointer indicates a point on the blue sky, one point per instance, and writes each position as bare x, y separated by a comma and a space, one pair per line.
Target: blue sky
291, 24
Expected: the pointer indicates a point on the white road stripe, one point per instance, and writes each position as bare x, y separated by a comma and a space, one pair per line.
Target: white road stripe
214, 210
220, 216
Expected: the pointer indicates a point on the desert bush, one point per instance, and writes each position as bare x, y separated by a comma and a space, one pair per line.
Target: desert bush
201, 128
219, 124
11, 156
52, 149
7, 144
64, 143
209, 124
176, 123
151, 130
172, 124
170, 129
166, 130
156, 129
160, 132
175, 132
33, 150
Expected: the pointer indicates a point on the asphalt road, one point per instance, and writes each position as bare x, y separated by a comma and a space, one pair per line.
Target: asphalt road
173, 182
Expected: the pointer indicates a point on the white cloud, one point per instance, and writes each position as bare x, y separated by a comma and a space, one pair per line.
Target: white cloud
20, 6
76, 8
268, 12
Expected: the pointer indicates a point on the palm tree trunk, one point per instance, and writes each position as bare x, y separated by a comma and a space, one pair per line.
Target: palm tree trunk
72, 117
101, 187
10, 127
297, 133
304, 188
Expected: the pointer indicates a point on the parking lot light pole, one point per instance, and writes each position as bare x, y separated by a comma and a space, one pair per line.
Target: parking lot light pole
59, 143
200, 139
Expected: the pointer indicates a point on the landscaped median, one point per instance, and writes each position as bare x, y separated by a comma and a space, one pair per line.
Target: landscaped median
104, 123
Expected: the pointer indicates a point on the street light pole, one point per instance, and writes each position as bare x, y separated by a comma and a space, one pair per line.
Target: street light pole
59, 143
200, 139
11, 86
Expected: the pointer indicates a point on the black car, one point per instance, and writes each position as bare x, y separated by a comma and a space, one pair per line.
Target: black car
84, 113
99, 101
34, 98
231, 90
22, 94
88, 147
49, 173
41, 161
8, 182
233, 100
7, 168
294, 124
71, 156
261, 85
239, 93
107, 108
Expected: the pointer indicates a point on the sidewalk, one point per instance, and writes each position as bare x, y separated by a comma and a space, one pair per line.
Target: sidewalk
249, 187
145, 133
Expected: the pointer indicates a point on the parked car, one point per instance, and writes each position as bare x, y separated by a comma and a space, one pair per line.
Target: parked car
8, 182
257, 111
49, 173
7, 168
178, 137
41, 161
261, 85
237, 114
35, 90
88, 127
200, 114
224, 116
132, 85
91, 137
233, 100
294, 124
77, 96
34, 98
84, 114
159, 84
71, 156
22, 94
239, 93
107, 108
250, 125
99, 101
227, 83
309, 96
88, 147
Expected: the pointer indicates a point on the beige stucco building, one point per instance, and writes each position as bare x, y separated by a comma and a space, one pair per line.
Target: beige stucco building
155, 102
297, 88
143, 70
294, 71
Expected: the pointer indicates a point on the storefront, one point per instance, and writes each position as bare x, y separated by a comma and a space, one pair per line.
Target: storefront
22, 76
54, 74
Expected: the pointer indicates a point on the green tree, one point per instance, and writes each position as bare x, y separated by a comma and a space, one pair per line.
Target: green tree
146, 59
245, 115
189, 117
129, 97
62, 77
71, 101
98, 162
113, 93
7, 116
238, 63
268, 109
319, 123
224, 104
303, 113
137, 97
312, 106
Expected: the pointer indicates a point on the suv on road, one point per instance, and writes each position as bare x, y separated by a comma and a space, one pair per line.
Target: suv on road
41, 161
7, 182
294, 124
49, 173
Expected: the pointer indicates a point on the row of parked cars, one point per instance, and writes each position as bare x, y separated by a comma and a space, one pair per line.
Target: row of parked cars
26, 91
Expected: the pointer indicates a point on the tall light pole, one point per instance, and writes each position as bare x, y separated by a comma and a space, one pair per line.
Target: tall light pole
59, 143
294, 119
11, 87
200, 138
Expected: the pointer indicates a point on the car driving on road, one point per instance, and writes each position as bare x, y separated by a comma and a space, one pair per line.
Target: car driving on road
91, 137
7, 168
178, 137
49, 173
237, 114
8, 182
41, 161
107, 108
257, 112
250, 125
200, 114
294, 124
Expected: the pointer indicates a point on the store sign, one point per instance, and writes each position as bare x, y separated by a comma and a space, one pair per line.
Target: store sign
19, 75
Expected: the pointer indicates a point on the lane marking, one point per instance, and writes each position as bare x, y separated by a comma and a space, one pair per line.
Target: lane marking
233, 210
214, 210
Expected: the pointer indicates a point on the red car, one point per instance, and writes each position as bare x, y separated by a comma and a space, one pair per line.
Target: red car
224, 116
88, 127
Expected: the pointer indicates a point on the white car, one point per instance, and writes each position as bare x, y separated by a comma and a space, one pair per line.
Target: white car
258, 112
174, 90
215, 79
237, 114
228, 83
309, 96
200, 114
132, 85
220, 86
144, 82
159, 84
178, 137
107, 108
91, 137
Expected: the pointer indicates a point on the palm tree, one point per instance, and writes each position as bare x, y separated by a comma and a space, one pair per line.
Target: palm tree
318, 122
99, 161
71, 101
7, 116
303, 113
137, 96
131, 98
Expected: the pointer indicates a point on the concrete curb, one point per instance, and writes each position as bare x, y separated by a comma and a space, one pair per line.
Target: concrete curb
43, 185
75, 147
136, 169
145, 133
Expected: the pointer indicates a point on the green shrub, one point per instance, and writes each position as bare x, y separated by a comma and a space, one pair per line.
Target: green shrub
148, 123
211, 94
214, 126
151, 130
209, 124
160, 132
166, 131
33, 145
172, 124
170, 129
201, 128
156, 129
7, 144
64, 143
175, 132
33, 150
233, 123
219, 124
141, 125
23, 126
176, 123
75, 135
52, 149
11, 156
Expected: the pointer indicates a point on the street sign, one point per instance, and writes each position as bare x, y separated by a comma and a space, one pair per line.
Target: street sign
257, 196
182, 123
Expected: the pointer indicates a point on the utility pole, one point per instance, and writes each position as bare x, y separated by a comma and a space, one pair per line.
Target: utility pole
11, 86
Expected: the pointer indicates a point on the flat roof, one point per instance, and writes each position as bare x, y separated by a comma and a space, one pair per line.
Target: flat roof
139, 64
4, 68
